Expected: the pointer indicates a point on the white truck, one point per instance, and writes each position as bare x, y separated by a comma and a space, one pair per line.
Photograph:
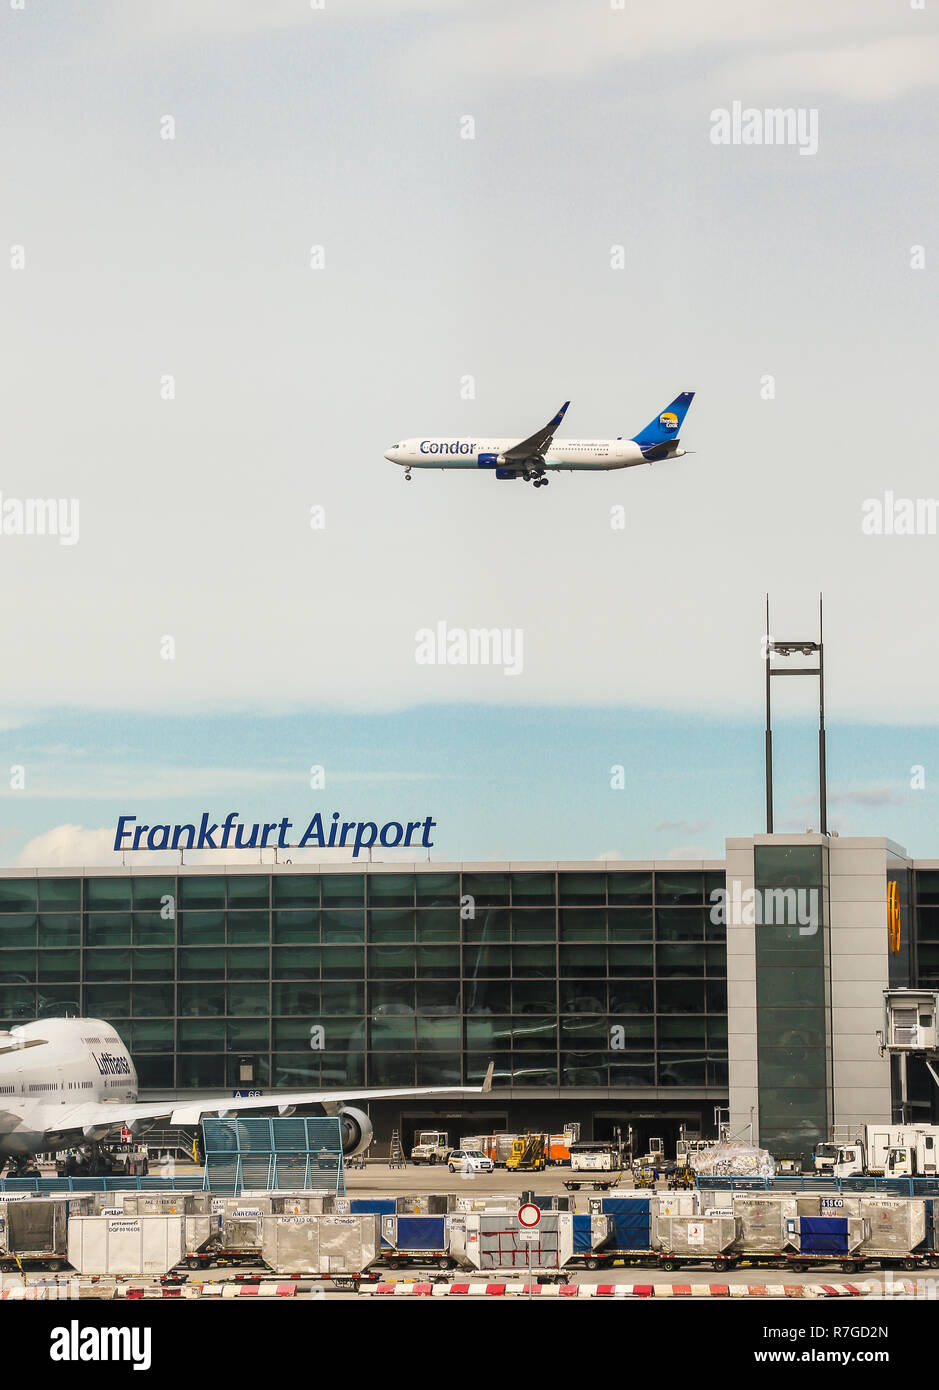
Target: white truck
433, 1146
892, 1150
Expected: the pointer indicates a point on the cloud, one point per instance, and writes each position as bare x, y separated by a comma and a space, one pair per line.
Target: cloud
609, 854
882, 69
100, 780
875, 794
693, 852
68, 846
774, 46
691, 826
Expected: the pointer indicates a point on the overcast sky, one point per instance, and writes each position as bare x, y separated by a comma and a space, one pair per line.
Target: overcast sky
449, 258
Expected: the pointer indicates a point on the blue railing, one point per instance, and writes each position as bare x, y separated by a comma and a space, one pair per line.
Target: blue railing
811, 1182
113, 1184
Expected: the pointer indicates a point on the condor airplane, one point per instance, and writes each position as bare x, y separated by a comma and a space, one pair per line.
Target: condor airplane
68, 1082
532, 458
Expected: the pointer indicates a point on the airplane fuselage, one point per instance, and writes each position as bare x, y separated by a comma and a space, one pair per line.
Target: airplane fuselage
51, 1065
568, 454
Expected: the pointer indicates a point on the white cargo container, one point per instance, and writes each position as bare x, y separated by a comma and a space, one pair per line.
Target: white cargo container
126, 1244
697, 1237
331, 1245
494, 1241
763, 1222
675, 1203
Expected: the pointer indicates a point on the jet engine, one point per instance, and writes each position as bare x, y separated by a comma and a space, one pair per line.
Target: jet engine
356, 1131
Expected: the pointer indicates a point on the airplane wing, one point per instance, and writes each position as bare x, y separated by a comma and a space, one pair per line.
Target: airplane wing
96, 1114
536, 443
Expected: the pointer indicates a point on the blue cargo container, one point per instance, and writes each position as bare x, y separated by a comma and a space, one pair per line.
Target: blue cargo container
632, 1223
823, 1235
423, 1233
373, 1206
582, 1245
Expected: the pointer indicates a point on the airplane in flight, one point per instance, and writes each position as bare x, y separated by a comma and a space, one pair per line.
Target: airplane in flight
70, 1082
538, 455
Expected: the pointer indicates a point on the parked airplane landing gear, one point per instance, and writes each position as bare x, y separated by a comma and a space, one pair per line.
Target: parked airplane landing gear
89, 1160
22, 1166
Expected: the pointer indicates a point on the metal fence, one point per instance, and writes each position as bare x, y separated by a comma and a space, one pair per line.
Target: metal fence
48, 1186
271, 1153
887, 1187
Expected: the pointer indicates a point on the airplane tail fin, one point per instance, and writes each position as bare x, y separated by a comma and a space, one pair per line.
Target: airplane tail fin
665, 427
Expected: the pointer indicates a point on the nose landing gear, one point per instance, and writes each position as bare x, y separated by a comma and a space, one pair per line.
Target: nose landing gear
407, 475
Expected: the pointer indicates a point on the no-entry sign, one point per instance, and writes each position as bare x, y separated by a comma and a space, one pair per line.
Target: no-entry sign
528, 1214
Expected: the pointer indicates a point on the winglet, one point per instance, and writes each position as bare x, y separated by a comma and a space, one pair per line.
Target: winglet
487, 1080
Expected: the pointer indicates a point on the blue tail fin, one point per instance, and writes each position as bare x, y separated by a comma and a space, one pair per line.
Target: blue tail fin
666, 426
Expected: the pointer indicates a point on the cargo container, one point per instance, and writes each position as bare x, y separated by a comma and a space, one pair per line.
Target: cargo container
34, 1234
421, 1204
234, 1224
415, 1240
490, 1241
504, 1203
592, 1233
125, 1244
161, 1203
694, 1240
827, 1239
498, 1147
110, 1202
302, 1204
339, 1247
763, 1224
895, 1230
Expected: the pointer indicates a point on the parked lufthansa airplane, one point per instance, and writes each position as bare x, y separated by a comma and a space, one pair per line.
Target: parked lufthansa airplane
532, 458
68, 1082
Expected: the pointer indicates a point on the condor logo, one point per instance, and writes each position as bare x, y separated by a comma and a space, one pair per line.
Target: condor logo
668, 421
109, 1065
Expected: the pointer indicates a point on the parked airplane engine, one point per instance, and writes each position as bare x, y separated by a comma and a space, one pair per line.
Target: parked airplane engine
356, 1131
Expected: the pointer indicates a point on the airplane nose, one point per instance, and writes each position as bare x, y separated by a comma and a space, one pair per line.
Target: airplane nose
390, 455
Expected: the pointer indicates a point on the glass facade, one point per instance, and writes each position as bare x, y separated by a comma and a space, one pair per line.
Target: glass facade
793, 988
608, 978
926, 941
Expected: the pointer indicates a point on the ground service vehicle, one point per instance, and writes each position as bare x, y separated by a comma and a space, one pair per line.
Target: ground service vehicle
915, 1156
433, 1146
469, 1161
529, 1154
825, 1157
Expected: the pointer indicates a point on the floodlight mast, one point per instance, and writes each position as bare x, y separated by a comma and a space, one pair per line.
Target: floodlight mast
805, 647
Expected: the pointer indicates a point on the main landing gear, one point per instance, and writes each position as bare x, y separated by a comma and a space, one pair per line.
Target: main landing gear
537, 481
21, 1166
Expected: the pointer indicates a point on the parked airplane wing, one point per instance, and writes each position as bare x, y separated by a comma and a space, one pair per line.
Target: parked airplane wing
537, 443
94, 1115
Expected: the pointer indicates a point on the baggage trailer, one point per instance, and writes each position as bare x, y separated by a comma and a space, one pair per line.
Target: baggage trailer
409, 1240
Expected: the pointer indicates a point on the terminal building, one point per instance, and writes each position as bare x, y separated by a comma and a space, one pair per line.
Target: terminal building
643, 996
